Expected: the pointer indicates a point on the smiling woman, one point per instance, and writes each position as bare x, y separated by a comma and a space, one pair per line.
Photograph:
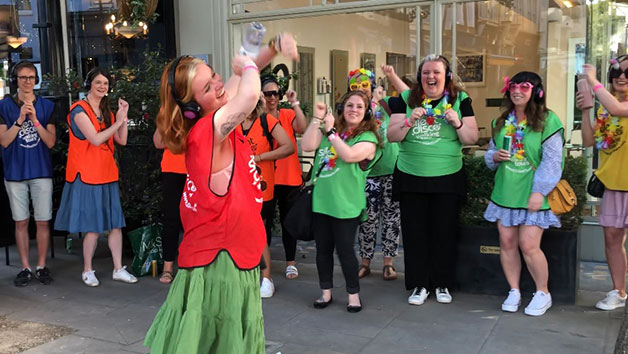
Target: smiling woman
431, 121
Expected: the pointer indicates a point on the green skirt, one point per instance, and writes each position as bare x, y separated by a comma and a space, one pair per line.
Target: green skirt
213, 309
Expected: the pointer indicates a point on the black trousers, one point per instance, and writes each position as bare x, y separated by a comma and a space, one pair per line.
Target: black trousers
268, 215
330, 233
289, 242
429, 227
172, 186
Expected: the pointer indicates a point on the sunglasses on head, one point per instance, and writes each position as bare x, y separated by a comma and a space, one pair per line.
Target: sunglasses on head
271, 93
364, 84
523, 86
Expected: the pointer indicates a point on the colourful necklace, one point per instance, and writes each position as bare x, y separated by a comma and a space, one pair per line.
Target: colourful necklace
432, 113
517, 131
606, 127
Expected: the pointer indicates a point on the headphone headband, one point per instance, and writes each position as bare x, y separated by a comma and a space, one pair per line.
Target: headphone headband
190, 110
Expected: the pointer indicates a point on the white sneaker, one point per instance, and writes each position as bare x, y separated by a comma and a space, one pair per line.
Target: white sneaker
512, 302
442, 296
540, 303
89, 278
611, 301
124, 276
267, 289
418, 296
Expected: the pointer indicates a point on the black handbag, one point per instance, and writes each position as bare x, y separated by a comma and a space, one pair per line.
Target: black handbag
595, 187
298, 221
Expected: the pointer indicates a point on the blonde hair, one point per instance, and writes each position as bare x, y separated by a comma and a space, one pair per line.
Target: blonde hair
172, 126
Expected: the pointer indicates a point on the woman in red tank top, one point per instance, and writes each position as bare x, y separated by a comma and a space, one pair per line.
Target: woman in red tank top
216, 290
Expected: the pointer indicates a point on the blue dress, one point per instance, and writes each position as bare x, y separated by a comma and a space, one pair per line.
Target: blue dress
545, 178
88, 207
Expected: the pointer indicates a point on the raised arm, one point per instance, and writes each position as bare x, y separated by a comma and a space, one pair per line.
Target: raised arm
299, 123
392, 77
312, 138
87, 129
612, 105
120, 136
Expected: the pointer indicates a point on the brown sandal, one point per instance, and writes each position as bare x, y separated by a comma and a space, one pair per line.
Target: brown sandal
389, 272
363, 271
166, 277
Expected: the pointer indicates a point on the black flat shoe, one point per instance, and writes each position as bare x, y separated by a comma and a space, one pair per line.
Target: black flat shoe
354, 309
321, 304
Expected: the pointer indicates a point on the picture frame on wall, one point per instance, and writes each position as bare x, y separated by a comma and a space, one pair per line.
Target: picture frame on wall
471, 69
367, 61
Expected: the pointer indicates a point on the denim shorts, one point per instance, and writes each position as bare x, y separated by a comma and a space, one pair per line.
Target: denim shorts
614, 209
41, 194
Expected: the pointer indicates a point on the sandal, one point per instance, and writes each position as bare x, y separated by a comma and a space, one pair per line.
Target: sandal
363, 271
166, 277
389, 272
292, 272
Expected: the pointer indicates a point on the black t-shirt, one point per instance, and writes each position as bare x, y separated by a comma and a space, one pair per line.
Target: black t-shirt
398, 105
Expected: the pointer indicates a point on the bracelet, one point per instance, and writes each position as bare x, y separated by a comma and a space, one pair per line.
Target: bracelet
295, 103
407, 123
597, 87
331, 132
251, 66
37, 124
461, 124
316, 121
332, 136
319, 118
17, 124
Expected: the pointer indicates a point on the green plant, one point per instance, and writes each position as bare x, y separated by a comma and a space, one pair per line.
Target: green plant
480, 185
70, 83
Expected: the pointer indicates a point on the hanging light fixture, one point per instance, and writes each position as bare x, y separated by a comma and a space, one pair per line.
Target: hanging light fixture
16, 42
128, 25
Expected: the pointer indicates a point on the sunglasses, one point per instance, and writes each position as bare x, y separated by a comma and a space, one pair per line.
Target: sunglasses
262, 183
271, 93
364, 84
616, 73
523, 86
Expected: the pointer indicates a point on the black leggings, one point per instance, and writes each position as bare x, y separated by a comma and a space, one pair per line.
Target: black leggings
172, 187
429, 227
330, 233
268, 215
289, 242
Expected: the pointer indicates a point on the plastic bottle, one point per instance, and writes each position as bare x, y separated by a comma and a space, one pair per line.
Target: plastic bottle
585, 89
252, 39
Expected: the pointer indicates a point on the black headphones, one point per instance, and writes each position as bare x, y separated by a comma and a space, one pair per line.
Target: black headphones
267, 79
615, 66
435, 57
91, 75
341, 106
190, 110
19, 65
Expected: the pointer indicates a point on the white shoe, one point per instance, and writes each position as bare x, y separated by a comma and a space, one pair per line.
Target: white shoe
540, 303
512, 302
124, 276
267, 289
611, 301
442, 296
89, 278
418, 296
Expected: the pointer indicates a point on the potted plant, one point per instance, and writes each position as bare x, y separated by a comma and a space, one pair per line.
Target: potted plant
479, 269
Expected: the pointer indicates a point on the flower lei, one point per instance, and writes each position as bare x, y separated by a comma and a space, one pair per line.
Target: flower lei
606, 127
517, 131
432, 113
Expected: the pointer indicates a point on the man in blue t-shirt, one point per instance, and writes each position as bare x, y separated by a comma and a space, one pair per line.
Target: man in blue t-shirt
27, 133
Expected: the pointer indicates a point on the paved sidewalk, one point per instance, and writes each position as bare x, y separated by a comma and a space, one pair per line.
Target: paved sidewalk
114, 317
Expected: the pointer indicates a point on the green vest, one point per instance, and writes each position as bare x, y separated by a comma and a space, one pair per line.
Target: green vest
431, 150
514, 178
339, 190
386, 165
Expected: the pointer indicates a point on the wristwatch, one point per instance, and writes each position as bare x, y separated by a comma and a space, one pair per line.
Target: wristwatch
18, 124
331, 131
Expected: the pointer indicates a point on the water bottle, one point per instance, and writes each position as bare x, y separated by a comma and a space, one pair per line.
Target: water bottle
585, 89
252, 39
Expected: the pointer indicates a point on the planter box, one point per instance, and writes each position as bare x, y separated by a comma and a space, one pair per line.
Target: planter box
479, 269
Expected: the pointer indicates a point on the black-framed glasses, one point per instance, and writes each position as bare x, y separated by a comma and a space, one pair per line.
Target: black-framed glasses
271, 93
27, 78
